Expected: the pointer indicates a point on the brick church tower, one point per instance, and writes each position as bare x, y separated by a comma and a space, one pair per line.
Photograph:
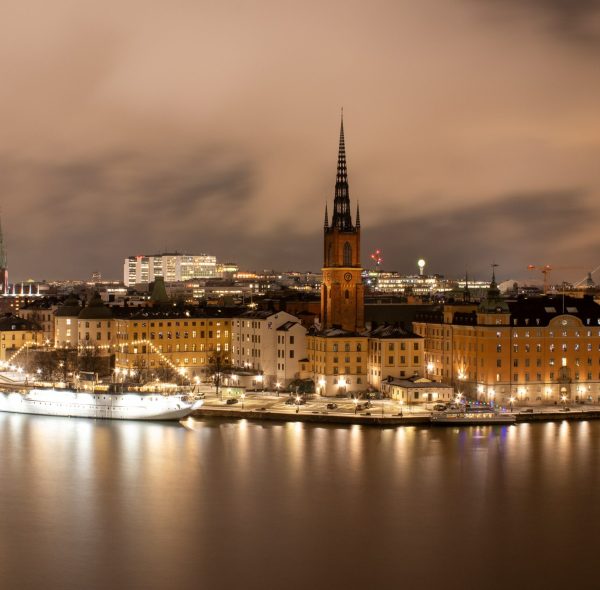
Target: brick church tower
342, 291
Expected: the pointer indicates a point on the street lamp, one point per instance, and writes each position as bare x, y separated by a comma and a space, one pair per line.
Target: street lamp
401, 404
243, 396
355, 405
512, 401
277, 386
297, 404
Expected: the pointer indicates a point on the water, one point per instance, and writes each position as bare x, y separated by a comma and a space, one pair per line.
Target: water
218, 504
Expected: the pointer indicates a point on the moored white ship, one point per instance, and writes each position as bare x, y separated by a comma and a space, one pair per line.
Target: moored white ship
104, 404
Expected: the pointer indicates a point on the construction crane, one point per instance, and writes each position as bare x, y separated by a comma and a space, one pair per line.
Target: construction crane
546, 269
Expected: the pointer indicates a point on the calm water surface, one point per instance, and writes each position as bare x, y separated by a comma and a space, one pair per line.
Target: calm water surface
219, 504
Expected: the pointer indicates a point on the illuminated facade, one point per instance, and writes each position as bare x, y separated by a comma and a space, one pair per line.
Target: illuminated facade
393, 352
186, 341
95, 328
16, 335
269, 343
538, 349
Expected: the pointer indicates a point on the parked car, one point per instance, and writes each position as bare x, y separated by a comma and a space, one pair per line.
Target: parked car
367, 404
231, 401
439, 407
290, 401
331, 406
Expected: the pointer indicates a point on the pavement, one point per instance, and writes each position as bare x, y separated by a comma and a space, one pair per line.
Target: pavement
271, 401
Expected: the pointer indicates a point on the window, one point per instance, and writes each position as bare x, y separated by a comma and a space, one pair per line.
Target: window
347, 254
291, 354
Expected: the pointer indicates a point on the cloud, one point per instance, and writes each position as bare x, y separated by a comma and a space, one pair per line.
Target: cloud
129, 128
513, 230
577, 21
90, 214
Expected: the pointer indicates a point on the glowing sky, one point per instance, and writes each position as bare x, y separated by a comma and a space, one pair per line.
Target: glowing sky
472, 132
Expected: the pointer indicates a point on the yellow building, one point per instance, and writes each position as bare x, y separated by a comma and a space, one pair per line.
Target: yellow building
96, 328
17, 335
152, 340
538, 349
393, 352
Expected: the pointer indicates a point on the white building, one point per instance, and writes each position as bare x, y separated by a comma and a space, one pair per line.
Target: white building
291, 348
270, 343
172, 267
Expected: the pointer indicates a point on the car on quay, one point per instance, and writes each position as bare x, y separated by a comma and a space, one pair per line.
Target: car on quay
231, 401
332, 406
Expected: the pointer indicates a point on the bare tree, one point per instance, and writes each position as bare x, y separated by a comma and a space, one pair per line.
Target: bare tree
218, 365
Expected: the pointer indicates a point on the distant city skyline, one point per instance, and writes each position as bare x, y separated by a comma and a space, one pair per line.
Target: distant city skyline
473, 133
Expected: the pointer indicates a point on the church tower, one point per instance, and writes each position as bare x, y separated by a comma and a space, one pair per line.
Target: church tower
342, 291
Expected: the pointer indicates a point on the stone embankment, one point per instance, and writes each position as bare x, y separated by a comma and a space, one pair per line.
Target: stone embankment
374, 419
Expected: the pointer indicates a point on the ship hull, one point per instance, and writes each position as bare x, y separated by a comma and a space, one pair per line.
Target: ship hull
97, 405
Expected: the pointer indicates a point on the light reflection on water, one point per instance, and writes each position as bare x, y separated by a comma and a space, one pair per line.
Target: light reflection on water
228, 504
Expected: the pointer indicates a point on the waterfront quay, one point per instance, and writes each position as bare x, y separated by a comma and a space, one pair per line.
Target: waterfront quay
385, 412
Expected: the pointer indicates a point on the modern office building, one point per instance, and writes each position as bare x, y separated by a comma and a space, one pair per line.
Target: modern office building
143, 269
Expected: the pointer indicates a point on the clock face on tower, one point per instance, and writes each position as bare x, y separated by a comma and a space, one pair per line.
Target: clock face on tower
348, 276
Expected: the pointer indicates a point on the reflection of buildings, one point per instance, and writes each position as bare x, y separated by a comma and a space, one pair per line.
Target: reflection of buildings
532, 349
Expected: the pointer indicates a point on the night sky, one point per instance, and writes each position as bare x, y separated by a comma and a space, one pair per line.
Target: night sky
472, 132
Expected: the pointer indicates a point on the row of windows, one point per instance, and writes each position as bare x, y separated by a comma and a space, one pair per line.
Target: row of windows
391, 346
335, 346
539, 333
186, 323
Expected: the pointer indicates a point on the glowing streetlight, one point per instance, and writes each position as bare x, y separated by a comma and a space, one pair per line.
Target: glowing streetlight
355, 405
421, 264
243, 396
512, 401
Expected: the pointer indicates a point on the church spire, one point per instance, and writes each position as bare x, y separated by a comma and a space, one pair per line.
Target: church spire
326, 225
357, 215
3, 265
3, 260
342, 219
